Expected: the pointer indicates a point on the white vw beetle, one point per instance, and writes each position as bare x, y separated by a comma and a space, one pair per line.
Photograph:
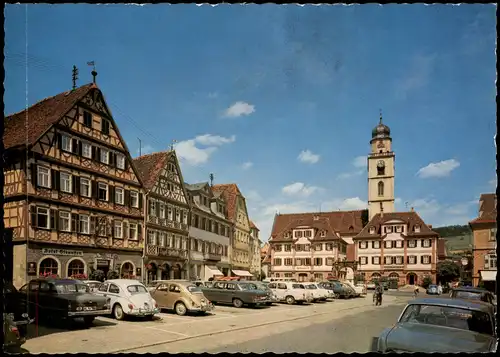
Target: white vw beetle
318, 293
128, 297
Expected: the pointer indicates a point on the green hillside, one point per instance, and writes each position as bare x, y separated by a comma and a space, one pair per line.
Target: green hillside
452, 231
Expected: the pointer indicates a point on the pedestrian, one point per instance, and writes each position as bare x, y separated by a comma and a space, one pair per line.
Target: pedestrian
415, 291
440, 289
379, 291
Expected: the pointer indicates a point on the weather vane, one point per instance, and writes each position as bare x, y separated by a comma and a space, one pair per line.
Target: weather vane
172, 145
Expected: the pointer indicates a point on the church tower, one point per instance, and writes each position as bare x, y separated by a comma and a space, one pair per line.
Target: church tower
381, 171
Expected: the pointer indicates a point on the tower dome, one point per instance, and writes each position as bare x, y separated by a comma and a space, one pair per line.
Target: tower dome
381, 131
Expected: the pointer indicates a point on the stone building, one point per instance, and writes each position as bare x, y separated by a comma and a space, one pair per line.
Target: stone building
255, 244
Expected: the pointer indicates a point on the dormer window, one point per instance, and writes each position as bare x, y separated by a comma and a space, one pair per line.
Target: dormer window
416, 228
298, 234
307, 234
322, 233
351, 228
399, 229
372, 230
287, 235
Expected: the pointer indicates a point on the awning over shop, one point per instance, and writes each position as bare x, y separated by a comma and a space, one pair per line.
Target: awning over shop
489, 275
214, 270
241, 273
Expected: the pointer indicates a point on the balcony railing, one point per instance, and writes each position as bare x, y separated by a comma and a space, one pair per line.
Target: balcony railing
165, 251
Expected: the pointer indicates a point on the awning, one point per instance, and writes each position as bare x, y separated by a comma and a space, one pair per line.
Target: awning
215, 270
489, 275
241, 273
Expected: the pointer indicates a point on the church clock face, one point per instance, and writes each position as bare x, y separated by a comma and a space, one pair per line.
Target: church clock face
381, 164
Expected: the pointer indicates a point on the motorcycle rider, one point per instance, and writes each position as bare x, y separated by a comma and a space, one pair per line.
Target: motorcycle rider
379, 291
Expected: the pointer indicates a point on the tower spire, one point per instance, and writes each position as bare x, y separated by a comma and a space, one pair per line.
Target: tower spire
380, 111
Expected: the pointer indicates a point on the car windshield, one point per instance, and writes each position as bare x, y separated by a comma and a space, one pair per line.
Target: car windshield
193, 289
311, 287
248, 286
261, 286
448, 316
136, 289
72, 288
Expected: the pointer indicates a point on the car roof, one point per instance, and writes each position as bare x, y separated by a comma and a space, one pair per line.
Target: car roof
124, 282
471, 289
458, 303
59, 280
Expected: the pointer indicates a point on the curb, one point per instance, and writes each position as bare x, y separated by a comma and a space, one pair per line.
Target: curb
393, 300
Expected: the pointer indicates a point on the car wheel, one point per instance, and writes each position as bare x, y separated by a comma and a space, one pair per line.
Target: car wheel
290, 300
237, 303
88, 320
336, 295
118, 312
180, 309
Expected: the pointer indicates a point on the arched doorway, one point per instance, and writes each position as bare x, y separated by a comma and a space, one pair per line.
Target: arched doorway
376, 276
152, 272
48, 266
393, 276
127, 270
165, 272
411, 279
177, 271
348, 274
302, 277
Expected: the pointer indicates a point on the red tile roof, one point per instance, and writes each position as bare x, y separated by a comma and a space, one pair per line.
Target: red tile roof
252, 225
412, 219
337, 222
150, 166
487, 209
40, 117
230, 193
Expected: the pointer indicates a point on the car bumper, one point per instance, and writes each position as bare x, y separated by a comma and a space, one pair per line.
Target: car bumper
143, 312
265, 301
204, 308
89, 313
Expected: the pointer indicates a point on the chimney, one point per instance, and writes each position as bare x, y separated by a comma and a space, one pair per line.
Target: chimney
316, 217
381, 210
412, 210
430, 226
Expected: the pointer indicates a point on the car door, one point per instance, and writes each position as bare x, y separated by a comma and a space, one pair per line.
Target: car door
47, 298
230, 291
283, 290
102, 290
274, 289
114, 293
218, 291
32, 297
160, 294
174, 294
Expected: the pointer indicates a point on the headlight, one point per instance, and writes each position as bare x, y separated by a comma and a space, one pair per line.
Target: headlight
79, 308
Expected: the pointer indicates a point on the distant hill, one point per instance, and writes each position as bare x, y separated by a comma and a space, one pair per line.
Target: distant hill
452, 231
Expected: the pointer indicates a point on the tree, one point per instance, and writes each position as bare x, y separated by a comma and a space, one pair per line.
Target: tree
262, 275
447, 271
113, 275
97, 275
426, 281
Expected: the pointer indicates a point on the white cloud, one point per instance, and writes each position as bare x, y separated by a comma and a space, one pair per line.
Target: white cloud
253, 195
188, 151
438, 169
360, 161
247, 165
307, 156
238, 109
299, 189
438, 214
360, 164
345, 204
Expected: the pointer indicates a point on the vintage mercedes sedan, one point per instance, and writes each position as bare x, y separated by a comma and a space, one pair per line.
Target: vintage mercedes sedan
181, 296
441, 325
128, 297
67, 299
237, 293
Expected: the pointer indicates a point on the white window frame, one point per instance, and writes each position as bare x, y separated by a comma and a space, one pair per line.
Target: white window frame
376, 244
86, 146
82, 220
426, 243
151, 237
66, 143
412, 259
100, 186
399, 244
133, 227
106, 152
119, 192
376, 260
38, 209
490, 262
416, 229
170, 213
64, 216
162, 239
412, 243
118, 228
162, 210
493, 233
426, 259
364, 245
66, 182
388, 242
120, 161
399, 260
185, 217
177, 215
134, 196
41, 175
152, 208
83, 183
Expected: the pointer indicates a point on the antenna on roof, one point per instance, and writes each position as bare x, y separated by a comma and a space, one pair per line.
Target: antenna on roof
94, 73
172, 145
211, 179
74, 76
406, 205
140, 146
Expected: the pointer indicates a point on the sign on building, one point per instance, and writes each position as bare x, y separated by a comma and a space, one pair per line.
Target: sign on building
52, 251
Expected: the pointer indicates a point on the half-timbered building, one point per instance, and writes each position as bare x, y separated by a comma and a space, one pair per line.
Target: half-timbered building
72, 195
241, 248
209, 232
166, 212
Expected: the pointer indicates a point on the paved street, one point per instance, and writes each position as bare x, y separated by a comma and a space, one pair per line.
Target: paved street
225, 327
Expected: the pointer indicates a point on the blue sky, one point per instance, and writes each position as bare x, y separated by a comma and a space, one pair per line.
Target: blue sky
246, 89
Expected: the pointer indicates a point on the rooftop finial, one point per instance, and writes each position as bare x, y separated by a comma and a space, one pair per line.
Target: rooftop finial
211, 179
94, 73
74, 76
380, 111
172, 145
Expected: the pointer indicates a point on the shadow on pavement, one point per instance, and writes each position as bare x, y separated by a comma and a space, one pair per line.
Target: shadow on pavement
45, 327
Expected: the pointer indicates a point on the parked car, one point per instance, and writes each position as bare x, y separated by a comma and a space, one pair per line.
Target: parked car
181, 296
128, 297
270, 294
65, 299
319, 294
328, 293
16, 318
469, 293
290, 292
432, 290
339, 290
358, 290
441, 325
237, 293
92, 284
362, 287
206, 284
371, 285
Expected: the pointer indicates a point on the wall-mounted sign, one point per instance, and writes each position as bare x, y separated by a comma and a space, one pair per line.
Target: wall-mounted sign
31, 268
102, 263
302, 268
52, 251
395, 267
